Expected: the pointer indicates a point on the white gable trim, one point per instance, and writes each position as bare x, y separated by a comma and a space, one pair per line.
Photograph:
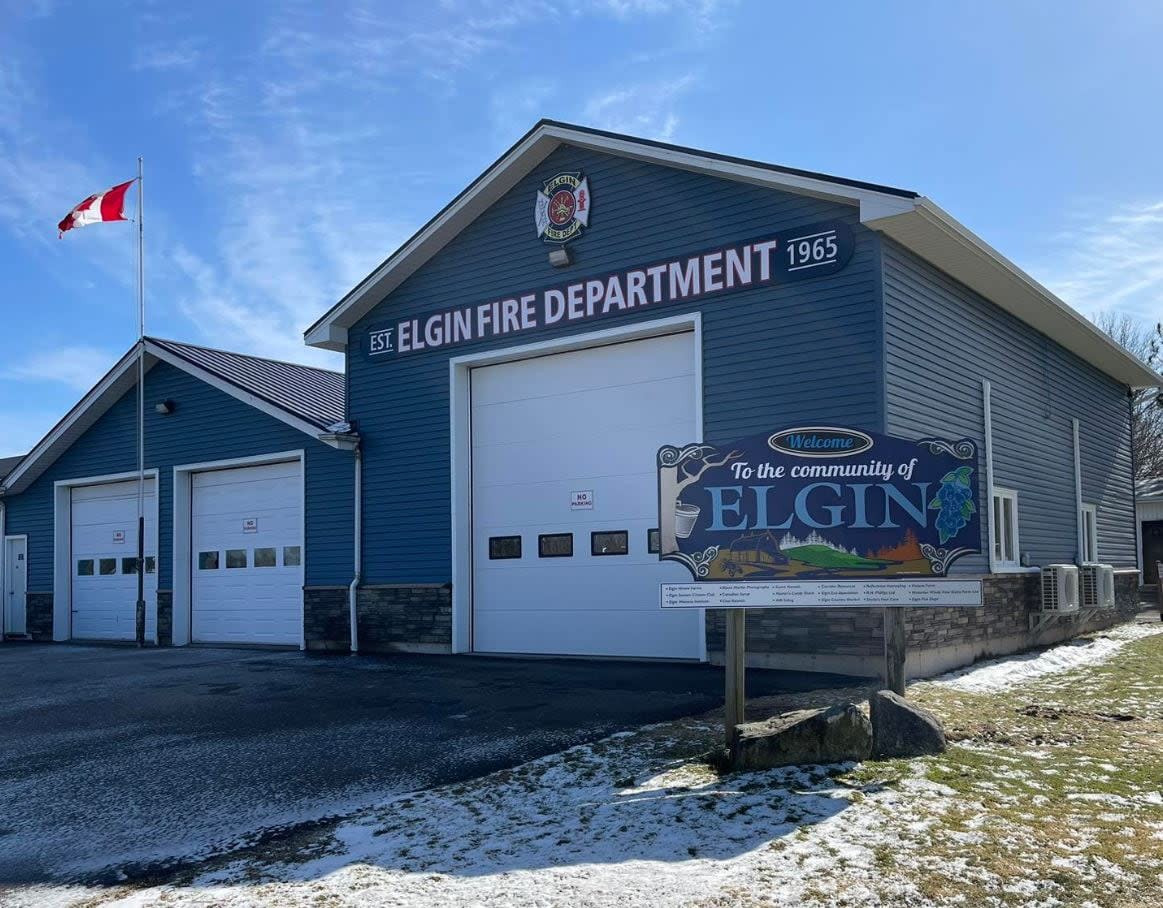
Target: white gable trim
106, 392
914, 222
330, 332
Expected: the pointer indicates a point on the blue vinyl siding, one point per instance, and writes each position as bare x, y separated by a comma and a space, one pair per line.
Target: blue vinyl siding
771, 356
941, 340
206, 425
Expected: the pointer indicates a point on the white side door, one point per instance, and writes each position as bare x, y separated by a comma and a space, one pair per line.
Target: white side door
15, 585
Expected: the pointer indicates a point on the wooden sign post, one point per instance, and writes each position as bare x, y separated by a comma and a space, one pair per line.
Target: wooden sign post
736, 661
894, 650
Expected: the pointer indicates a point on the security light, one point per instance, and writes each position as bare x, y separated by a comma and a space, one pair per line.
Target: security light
560, 257
165, 407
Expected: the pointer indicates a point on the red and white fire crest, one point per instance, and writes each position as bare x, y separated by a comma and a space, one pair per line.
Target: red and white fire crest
563, 207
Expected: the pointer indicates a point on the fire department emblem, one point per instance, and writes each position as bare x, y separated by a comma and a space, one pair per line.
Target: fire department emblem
563, 208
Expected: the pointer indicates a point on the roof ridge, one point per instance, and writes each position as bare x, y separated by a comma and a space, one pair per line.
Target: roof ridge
265, 359
736, 159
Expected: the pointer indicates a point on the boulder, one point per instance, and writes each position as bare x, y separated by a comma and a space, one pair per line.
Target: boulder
806, 736
902, 729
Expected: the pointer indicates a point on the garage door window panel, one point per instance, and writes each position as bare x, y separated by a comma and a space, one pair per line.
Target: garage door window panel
610, 542
236, 558
291, 556
555, 545
504, 547
264, 558
107, 567
207, 561
85, 567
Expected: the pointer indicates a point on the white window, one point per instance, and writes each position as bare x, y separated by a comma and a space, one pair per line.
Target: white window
1004, 515
1088, 520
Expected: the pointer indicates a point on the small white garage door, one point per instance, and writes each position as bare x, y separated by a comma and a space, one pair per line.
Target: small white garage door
103, 539
246, 528
565, 496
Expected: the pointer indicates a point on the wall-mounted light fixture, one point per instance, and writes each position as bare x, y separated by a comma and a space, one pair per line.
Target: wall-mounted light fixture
165, 408
560, 257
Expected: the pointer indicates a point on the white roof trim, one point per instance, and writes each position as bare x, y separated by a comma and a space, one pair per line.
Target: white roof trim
938, 238
330, 332
107, 391
915, 222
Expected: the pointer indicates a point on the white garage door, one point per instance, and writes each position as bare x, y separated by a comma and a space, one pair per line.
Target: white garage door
103, 537
246, 530
565, 495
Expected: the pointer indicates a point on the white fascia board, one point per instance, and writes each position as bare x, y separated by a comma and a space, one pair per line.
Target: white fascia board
939, 239
503, 176
330, 332
234, 391
103, 395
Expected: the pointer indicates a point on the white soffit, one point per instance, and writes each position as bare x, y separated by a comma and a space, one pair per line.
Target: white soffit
940, 240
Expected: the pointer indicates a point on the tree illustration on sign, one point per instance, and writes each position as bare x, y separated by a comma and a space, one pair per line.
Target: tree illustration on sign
954, 503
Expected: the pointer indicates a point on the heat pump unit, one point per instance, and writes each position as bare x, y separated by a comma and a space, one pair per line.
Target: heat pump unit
1096, 586
1089, 585
1106, 598
1059, 589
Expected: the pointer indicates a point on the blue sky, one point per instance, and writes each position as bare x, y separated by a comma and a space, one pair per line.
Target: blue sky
291, 146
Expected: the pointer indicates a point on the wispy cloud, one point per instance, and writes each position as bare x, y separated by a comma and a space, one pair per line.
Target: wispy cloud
77, 367
183, 54
1111, 259
23, 429
647, 109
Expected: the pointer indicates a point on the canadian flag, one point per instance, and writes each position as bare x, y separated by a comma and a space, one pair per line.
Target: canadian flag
104, 206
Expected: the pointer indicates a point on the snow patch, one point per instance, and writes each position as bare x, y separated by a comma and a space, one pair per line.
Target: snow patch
1002, 674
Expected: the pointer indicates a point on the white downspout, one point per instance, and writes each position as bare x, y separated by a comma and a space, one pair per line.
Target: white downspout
3, 562
358, 561
1079, 535
987, 416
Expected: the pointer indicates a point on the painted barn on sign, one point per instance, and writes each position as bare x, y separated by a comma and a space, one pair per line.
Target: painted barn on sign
525, 348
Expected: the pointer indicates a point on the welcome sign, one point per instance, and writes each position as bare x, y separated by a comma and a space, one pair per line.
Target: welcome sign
805, 252
816, 503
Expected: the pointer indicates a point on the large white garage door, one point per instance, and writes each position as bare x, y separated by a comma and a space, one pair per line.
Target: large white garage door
564, 499
246, 529
103, 539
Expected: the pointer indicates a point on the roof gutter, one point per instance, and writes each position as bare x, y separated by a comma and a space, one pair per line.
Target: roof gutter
932, 234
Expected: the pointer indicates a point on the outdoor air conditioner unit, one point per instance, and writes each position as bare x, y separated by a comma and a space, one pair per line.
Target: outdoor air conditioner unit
1106, 597
1059, 589
1096, 586
1089, 585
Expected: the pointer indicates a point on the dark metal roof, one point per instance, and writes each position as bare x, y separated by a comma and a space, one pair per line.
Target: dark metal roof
314, 395
7, 464
1144, 488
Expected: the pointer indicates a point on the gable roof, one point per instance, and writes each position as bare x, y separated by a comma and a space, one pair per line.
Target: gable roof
305, 398
1149, 489
7, 464
314, 395
908, 218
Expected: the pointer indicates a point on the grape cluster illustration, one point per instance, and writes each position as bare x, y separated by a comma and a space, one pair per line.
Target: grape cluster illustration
954, 503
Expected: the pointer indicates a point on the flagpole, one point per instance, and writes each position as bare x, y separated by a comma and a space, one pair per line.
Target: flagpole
140, 404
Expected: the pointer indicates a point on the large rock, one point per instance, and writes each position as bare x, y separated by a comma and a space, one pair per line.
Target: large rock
901, 729
807, 736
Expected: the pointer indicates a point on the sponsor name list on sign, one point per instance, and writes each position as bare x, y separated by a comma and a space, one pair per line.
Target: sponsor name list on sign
822, 594
812, 251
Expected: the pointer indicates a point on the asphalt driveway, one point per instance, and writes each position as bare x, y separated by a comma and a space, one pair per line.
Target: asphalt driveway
113, 756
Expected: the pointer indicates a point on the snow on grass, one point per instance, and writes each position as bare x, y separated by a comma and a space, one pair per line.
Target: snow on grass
639, 819
1002, 674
